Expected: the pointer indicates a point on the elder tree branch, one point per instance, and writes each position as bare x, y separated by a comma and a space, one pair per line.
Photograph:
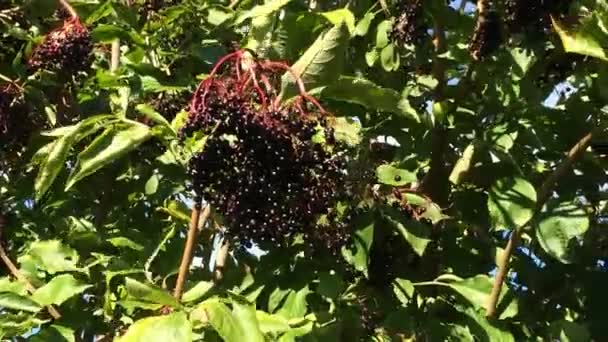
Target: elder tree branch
543, 195
196, 217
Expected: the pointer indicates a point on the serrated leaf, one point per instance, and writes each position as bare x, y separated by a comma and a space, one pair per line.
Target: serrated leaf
417, 234
58, 290
382, 34
6, 285
390, 175
321, 64
511, 203
366, 93
483, 327
264, 10
14, 301
106, 33
52, 256
107, 147
149, 292
174, 327
559, 227
389, 59
124, 242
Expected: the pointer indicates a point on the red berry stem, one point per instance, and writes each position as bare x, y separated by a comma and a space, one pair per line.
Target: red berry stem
69, 8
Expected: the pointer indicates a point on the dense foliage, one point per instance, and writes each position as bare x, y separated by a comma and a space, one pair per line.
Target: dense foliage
303, 170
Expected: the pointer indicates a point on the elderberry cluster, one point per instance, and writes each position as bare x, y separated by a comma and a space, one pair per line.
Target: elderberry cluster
272, 172
408, 27
15, 124
66, 50
487, 36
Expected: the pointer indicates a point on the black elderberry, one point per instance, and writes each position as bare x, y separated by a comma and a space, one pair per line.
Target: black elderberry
487, 36
66, 50
408, 27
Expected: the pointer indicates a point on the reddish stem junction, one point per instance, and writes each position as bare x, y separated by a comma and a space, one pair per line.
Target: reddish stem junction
251, 75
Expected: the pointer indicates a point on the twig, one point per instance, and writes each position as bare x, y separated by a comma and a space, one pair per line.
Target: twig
17, 274
543, 195
115, 57
184, 267
220, 262
68, 8
435, 183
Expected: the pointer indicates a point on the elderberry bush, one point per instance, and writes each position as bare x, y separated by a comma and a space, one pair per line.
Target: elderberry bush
66, 50
266, 169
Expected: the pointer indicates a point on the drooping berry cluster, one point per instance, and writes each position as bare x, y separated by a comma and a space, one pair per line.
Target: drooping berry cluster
66, 50
487, 36
266, 168
168, 105
408, 27
15, 124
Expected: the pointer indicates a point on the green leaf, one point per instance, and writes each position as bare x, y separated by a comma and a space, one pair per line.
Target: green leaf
342, 15
415, 233
480, 326
363, 24
432, 211
566, 331
590, 38
14, 301
198, 291
149, 293
363, 238
58, 290
295, 305
174, 327
261, 23
246, 317
559, 228
347, 130
511, 203
476, 290
58, 152
389, 59
6, 285
54, 333
272, 324
107, 147
463, 165
367, 94
382, 34
149, 112
106, 33
122, 242
239, 325
151, 185
403, 289
52, 256
390, 175
321, 63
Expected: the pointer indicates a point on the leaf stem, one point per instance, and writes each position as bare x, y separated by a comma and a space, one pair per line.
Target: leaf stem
543, 195
17, 274
196, 217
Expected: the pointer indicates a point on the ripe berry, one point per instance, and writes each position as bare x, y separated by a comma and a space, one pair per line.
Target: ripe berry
66, 50
408, 27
